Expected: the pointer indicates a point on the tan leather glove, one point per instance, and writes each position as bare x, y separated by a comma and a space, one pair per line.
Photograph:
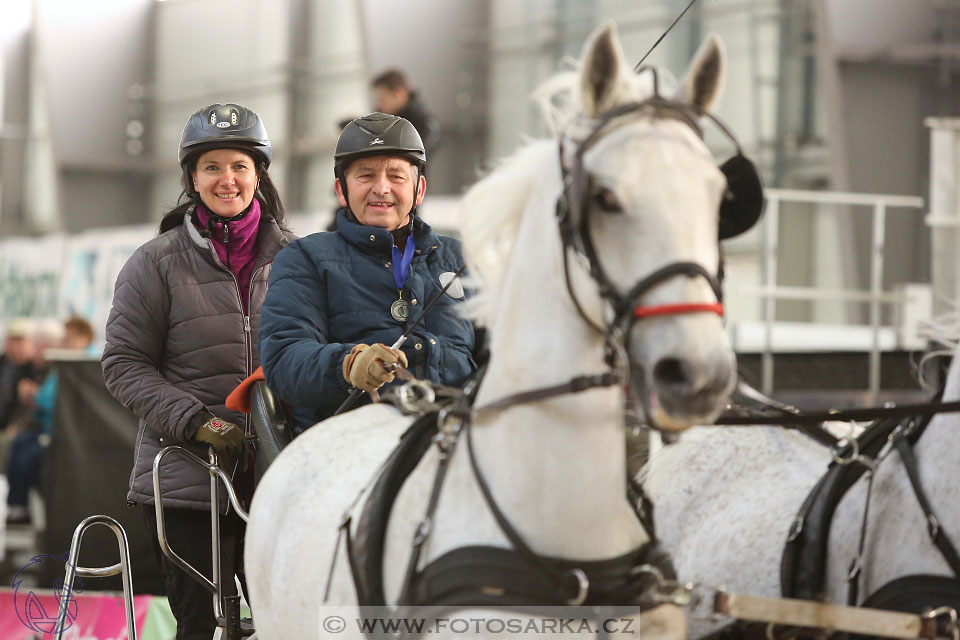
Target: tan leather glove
227, 438
364, 366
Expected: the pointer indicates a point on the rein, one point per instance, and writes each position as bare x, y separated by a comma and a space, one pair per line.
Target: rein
841, 415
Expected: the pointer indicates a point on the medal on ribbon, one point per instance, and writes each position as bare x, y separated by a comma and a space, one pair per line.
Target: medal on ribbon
401, 268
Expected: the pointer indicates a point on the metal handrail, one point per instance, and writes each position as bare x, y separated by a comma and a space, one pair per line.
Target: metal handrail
813, 293
216, 473
875, 296
72, 571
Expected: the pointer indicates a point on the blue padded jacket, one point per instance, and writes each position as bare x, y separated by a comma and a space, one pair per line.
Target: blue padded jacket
332, 290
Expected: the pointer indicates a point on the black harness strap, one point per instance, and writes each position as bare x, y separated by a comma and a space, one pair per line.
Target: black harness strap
749, 399
844, 415
853, 575
366, 548
937, 534
556, 579
803, 567
642, 506
494, 576
574, 385
423, 529
903, 441
915, 594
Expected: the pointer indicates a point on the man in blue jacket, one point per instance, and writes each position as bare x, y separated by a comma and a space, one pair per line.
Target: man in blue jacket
337, 299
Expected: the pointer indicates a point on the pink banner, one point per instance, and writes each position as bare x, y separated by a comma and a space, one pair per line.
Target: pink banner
27, 614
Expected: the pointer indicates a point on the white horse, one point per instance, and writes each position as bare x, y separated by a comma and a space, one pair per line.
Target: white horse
556, 467
725, 499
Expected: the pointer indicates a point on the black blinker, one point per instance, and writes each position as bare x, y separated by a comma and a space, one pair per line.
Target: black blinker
743, 201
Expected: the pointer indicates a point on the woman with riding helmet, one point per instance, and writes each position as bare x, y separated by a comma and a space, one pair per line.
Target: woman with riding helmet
182, 334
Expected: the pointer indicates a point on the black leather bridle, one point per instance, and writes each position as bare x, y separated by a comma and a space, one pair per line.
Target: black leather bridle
573, 221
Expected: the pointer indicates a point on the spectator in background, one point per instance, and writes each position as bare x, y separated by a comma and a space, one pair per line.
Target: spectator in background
393, 94
16, 364
79, 335
37, 395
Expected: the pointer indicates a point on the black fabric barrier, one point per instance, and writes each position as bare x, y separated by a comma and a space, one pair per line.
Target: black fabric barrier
86, 471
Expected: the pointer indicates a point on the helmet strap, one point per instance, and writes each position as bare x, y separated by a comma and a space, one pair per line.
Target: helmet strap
342, 179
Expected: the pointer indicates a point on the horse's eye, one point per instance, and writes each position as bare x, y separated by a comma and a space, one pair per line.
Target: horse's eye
606, 201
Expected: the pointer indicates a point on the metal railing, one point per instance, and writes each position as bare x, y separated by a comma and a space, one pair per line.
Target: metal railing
875, 296
226, 609
73, 572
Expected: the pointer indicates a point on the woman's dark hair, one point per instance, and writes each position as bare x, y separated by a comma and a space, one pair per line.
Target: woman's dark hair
267, 194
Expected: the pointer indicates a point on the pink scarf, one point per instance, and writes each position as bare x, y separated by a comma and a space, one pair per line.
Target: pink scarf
242, 246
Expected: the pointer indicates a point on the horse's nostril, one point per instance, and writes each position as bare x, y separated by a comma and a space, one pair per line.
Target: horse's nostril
671, 372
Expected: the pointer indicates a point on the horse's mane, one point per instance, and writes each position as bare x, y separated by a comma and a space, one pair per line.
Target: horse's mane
490, 215
942, 334
492, 209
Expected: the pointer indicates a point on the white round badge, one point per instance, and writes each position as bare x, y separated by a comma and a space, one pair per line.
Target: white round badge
456, 289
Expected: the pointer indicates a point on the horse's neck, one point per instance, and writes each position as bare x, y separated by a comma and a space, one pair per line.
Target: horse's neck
556, 467
936, 448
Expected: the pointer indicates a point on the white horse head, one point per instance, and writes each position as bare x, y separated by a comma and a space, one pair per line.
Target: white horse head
555, 466
646, 192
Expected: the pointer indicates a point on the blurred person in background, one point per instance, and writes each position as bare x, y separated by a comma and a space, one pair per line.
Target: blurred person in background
38, 396
336, 300
16, 364
182, 334
393, 94
36, 392
79, 335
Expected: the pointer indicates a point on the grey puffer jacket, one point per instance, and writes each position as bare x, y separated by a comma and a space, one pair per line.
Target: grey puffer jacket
178, 343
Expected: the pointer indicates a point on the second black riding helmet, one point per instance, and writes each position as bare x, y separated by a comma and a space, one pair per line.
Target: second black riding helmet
377, 134
225, 125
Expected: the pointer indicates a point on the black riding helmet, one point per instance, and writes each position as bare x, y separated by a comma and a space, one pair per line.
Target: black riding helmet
225, 125
379, 134
222, 126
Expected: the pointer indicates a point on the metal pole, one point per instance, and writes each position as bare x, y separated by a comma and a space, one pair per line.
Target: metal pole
123, 568
215, 586
876, 283
771, 227
215, 537
161, 525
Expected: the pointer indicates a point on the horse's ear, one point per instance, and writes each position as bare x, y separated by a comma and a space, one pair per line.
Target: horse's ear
703, 82
604, 76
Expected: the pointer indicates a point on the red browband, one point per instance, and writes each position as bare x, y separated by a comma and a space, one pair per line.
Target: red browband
671, 309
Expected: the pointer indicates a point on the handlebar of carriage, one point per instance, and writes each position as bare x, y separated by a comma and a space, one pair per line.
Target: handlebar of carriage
217, 474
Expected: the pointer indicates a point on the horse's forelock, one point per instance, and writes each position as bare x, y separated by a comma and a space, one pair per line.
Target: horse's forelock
562, 108
492, 209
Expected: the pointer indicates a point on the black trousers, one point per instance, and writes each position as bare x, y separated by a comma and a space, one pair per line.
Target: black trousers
188, 535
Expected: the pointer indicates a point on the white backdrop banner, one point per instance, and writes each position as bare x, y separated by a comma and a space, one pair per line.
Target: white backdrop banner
30, 276
57, 276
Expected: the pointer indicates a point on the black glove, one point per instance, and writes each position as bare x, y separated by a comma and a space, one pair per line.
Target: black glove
227, 438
